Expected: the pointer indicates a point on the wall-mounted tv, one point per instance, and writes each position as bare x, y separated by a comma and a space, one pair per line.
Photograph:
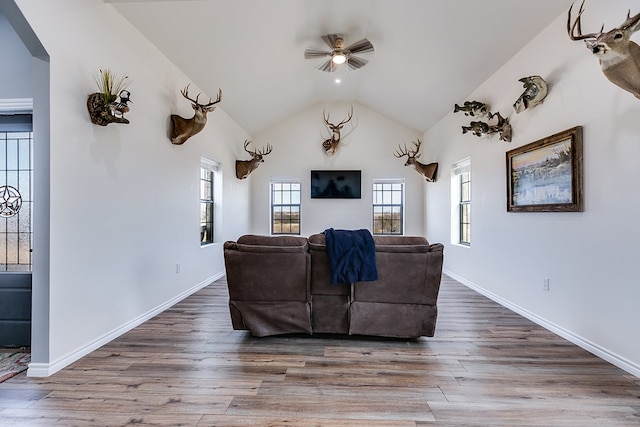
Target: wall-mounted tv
330, 184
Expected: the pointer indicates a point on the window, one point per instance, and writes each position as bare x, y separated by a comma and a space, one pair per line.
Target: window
461, 203
285, 207
388, 207
16, 202
465, 208
208, 169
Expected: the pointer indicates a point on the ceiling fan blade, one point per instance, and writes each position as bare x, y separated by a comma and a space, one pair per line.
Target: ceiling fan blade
362, 46
330, 40
327, 66
315, 53
355, 62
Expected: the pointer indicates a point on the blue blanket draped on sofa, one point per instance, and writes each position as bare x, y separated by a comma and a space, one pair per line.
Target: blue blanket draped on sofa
352, 255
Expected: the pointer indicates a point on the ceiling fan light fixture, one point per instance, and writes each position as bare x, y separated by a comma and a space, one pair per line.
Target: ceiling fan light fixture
339, 58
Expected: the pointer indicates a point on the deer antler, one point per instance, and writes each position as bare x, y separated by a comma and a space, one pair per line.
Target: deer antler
400, 152
218, 99
246, 144
331, 125
268, 149
407, 152
185, 93
325, 117
577, 25
349, 117
418, 144
631, 20
254, 153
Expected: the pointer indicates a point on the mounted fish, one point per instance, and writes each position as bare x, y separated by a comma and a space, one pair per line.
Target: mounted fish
535, 90
483, 129
479, 129
472, 108
503, 127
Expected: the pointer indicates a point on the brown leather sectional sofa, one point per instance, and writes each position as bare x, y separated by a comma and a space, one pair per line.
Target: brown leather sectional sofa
281, 285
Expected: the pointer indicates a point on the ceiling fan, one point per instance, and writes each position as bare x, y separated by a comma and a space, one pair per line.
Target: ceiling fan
340, 54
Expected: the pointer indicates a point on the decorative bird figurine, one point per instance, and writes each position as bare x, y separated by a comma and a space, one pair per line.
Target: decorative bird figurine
119, 107
535, 90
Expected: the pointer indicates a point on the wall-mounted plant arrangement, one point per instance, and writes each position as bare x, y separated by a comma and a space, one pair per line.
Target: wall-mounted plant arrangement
535, 90
111, 102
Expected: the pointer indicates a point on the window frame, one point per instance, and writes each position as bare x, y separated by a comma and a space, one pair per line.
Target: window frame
461, 203
211, 168
465, 208
387, 195
291, 206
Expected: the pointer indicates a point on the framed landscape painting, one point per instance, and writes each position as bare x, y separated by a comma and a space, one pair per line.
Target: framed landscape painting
546, 175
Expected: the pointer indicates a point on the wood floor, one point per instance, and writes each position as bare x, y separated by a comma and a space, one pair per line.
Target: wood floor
486, 366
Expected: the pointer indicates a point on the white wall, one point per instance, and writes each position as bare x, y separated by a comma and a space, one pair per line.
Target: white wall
589, 257
15, 67
368, 143
124, 200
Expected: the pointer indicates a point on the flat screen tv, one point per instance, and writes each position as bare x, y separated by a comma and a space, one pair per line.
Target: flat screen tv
332, 184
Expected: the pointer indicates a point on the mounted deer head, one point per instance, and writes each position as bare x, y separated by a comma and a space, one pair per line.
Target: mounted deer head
428, 171
619, 57
245, 167
331, 145
184, 129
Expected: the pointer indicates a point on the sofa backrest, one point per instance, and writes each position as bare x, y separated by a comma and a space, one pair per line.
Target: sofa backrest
257, 243
268, 268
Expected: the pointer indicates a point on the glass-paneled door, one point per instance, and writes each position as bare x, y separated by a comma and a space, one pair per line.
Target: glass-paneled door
16, 207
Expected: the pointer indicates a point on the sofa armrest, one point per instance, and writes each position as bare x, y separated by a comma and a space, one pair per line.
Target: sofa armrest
436, 247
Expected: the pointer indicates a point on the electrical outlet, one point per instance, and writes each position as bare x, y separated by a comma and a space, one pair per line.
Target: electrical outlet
177, 268
545, 284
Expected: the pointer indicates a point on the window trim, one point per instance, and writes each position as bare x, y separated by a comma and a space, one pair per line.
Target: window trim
402, 204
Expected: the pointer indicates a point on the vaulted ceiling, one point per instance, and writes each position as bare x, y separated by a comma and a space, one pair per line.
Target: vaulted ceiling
429, 54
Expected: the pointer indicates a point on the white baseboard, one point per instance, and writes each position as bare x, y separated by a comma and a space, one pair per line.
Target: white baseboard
48, 369
591, 347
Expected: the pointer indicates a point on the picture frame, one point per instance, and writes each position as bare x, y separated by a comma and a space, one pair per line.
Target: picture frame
546, 175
